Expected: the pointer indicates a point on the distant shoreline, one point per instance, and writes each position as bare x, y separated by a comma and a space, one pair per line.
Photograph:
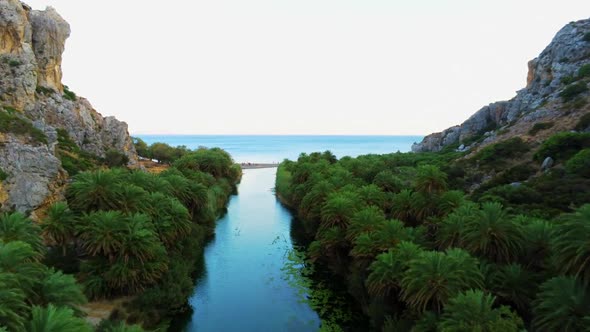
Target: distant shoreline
258, 165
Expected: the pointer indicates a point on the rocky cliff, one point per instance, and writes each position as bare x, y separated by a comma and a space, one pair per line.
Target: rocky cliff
35, 105
555, 93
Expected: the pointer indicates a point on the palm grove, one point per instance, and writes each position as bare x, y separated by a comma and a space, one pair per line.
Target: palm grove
420, 250
120, 233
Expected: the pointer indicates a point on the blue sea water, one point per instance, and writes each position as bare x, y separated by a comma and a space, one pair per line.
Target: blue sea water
268, 149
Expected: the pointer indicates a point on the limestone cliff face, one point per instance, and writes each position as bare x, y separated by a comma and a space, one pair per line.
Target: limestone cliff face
31, 47
538, 101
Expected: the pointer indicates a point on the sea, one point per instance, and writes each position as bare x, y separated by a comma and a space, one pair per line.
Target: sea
276, 148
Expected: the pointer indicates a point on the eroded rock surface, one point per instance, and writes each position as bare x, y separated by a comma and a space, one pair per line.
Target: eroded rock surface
31, 47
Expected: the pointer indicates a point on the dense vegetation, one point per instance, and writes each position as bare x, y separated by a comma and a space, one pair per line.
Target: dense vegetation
119, 233
159, 151
439, 242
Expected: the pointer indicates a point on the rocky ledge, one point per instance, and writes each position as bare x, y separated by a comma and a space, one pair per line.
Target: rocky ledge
32, 95
550, 74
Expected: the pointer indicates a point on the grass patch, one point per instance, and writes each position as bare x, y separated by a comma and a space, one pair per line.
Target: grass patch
571, 91
540, 126
583, 123
11, 122
584, 71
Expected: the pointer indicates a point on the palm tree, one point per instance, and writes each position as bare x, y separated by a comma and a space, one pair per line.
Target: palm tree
132, 199
402, 207
473, 310
339, 209
102, 233
449, 201
13, 308
20, 260
59, 227
434, 277
387, 181
311, 203
170, 218
515, 285
55, 319
61, 290
388, 268
364, 247
430, 180
16, 227
539, 234
390, 233
571, 245
98, 190
562, 304
450, 230
140, 240
493, 235
365, 220
372, 195
149, 182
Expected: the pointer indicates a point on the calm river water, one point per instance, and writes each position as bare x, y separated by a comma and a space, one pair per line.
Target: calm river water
242, 287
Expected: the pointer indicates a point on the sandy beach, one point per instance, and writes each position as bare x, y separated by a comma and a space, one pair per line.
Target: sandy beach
257, 165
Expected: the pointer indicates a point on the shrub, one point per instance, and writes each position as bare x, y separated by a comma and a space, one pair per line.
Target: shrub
584, 71
3, 175
583, 123
115, 158
580, 163
562, 146
496, 153
568, 80
572, 91
14, 63
540, 126
10, 122
587, 37
69, 95
44, 90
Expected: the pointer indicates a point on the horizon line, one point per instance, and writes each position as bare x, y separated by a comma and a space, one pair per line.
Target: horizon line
168, 134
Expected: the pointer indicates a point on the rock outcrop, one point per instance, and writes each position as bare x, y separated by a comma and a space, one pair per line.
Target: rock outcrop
31, 47
540, 100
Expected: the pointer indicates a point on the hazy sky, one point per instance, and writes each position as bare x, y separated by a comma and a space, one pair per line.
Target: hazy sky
303, 66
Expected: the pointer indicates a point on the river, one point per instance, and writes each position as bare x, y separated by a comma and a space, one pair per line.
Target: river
242, 286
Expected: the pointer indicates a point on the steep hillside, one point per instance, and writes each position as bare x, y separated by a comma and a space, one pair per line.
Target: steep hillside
554, 99
43, 125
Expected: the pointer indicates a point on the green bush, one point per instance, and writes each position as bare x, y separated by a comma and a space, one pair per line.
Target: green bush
587, 37
584, 71
583, 123
568, 80
572, 91
3, 175
44, 91
115, 158
562, 146
540, 126
580, 163
10, 122
496, 154
69, 95
14, 63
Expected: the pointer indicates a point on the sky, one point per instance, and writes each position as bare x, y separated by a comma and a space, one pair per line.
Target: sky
340, 67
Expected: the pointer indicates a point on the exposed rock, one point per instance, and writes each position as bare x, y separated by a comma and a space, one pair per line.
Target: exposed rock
31, 47
539, 100
547, 163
